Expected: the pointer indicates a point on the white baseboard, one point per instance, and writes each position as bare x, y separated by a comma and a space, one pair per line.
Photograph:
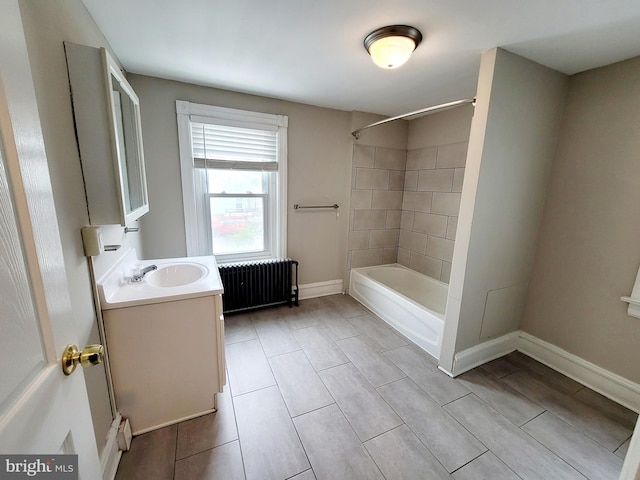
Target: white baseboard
320, 289
484, 352
110, 456
607, 383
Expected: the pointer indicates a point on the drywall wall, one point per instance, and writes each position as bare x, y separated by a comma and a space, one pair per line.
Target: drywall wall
589, 246
511, 147
318, 173
47, 25
442, 128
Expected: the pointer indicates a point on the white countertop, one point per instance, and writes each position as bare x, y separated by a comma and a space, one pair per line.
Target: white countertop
116, 290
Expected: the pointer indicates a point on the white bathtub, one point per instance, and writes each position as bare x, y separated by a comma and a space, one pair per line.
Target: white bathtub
410, 302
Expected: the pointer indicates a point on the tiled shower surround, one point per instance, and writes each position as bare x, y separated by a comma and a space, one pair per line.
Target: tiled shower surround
404, 207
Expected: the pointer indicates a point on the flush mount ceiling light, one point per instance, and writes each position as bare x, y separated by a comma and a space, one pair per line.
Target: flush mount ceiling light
392, 46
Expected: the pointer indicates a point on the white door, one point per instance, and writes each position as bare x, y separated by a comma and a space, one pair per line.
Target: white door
42, 411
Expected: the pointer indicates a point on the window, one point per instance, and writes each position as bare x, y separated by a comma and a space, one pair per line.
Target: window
233, 165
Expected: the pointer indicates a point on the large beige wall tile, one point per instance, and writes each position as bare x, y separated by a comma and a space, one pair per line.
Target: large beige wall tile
358, 239
458, 178
445, 275
386, 200
446, 203
407, 219
404, 256
411, 179
394, 218
430, 224
363, 156
369, 219
440, 248
396, 180
436, 180
422, 159
384, 238
390, 255
452, 228
373, 178
417, 201
416, 242
366, 258
390, 158
426, 265
452, 156
361, 199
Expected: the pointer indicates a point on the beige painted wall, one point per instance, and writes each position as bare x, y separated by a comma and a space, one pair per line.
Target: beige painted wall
47, 25
442, 128
318, 173
511, 147
589, 245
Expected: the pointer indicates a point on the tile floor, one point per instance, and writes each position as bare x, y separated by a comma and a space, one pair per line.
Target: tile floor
328, 391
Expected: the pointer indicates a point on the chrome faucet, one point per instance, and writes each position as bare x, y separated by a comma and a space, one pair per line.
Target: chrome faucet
139, 275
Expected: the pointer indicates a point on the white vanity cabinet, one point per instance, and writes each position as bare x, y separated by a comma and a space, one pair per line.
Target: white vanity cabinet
107, 118
167, 360
164, 338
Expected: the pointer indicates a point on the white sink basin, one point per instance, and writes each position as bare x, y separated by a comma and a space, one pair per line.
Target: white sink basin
175, 279
175, 275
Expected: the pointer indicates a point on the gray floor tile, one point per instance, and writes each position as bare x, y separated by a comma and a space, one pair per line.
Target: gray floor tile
575, 448
377, 332
297, 318
442, 388
401, 456
521, 453
452, 445
152, 455
499, 367
623, 449
509, 402
203, 433
224, 461
615, 411
319, 348
270, 445
299, 383
376, 368
585, 418
346, 305
276, 337
366, 411
248, 367
553, 379
238, 328
485, 467
334, 324
334, 450
308, 475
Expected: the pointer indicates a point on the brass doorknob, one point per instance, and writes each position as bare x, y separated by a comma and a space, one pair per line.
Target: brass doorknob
90, 355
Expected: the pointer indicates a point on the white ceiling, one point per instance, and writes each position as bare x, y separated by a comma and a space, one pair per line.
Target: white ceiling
311, 51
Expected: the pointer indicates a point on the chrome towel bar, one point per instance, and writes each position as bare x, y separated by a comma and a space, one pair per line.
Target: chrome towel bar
300, 207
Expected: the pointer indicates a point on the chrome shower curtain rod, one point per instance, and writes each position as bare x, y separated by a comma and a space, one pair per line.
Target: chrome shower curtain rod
356, 133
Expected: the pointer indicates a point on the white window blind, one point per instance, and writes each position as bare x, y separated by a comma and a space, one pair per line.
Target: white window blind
231, 147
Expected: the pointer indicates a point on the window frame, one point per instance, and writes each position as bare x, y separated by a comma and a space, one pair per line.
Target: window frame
198, 244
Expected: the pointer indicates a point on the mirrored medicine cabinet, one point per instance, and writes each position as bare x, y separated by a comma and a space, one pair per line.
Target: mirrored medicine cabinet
107, 118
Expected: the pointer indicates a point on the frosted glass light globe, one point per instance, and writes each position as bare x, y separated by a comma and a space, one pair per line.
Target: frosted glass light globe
391, 52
